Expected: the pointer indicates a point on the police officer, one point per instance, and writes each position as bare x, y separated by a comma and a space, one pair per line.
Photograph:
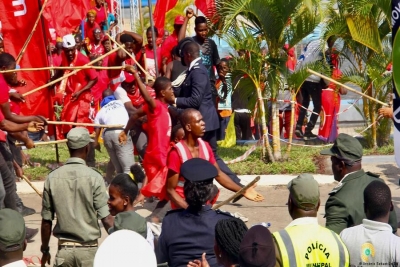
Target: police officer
303, 242
79, 196
345, 205
188, 233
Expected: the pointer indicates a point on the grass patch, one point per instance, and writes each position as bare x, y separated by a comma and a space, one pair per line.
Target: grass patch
302, 160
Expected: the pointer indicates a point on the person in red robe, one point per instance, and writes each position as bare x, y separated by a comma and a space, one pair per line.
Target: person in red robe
90, 25
76, 87
328, 130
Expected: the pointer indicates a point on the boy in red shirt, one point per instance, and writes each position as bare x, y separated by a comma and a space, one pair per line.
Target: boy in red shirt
159, 131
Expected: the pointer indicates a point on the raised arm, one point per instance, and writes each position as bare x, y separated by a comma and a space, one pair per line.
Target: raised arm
142, 87
189, 15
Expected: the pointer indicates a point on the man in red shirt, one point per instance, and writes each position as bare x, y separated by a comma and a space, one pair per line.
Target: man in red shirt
192, 146
76, 87
96, 47
159, 131
133, 44
171, 41
146, 57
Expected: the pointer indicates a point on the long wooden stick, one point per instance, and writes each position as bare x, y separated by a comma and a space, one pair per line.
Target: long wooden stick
71, 73
238, 193
66, 68
347, 87
129, 54
45, 143
85, 124
33, 187
19, 57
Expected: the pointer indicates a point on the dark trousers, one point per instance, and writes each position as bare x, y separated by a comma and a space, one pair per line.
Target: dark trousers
211, 138
8, 177
242, 126
313, 90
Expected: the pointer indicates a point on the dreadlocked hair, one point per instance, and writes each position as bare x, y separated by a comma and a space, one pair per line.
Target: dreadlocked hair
228, 235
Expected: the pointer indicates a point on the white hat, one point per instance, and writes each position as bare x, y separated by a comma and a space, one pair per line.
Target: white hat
125, 248
68, 41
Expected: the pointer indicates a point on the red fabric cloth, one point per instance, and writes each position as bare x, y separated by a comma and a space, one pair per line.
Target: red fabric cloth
155, 158
168, 45
291, 63
3, 99
17, 21
100, 86
328, 130
150, 55
161, 8
101, 15
77, 111
174, 163
96, 50
88, 30
65, 16
207, 7
137, 99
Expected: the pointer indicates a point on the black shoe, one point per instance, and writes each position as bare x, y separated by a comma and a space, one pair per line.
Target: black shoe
309, 136
30, 233
299, 133
25, 211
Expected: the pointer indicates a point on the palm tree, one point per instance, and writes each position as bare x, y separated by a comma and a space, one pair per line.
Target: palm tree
278, 23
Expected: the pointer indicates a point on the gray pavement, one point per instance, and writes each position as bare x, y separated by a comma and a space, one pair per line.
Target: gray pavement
273, 209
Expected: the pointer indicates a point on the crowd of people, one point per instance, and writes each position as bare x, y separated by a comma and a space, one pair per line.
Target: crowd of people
169, 102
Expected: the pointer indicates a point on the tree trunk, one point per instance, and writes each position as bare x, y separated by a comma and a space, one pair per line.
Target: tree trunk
266, 144
292, 115
276, 142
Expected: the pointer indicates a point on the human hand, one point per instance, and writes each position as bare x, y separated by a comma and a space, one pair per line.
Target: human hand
189, 13
19, 172
386, 112
45, 259
97, 145
199, 263
122, 138
130, 69
139, 200
34, 126
75, 96
17, 97
253, 195
21, 83
29, 143
40, 119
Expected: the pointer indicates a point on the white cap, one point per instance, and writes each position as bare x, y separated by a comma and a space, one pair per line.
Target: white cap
125, 248
68, 41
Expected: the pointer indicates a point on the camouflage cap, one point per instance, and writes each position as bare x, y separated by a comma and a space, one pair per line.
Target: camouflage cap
304, 190
78, 137
346, 148
12, 230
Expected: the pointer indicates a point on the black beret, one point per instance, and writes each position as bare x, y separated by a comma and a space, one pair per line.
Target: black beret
198, 170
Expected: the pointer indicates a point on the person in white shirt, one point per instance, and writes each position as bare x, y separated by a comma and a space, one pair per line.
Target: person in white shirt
12, 238
113, 112
372, 242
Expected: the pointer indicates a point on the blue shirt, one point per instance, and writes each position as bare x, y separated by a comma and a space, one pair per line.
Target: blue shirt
110, 19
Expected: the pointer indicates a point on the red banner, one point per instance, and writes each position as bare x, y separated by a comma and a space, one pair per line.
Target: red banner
162, 7
207, 7
65, 15
17, 19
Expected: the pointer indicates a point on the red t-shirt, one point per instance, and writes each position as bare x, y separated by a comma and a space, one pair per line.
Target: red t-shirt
137, 98
168, 45
88, 30
96, 50
159, 134
81, 78
4, 97
150, 56
101, 15
174, 161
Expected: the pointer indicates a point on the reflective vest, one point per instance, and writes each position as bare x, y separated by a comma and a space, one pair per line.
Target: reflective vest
311, 246
184, 155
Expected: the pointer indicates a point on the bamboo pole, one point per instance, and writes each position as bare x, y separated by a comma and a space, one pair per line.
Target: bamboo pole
65, 68
70, 74
85, 124
19, 57
347, 87
33, 187
129, 54
45, 143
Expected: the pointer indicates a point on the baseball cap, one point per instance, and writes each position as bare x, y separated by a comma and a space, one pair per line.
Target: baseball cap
198, 170
179, 20
304, 190
12, 230
128, 77
78, 137
68, 41
346, 148
257, 248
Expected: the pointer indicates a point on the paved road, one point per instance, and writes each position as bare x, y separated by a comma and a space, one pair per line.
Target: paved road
273, 209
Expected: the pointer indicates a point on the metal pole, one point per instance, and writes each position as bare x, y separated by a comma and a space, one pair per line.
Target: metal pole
154, 36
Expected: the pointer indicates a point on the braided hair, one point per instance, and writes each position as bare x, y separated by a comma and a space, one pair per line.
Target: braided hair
228, 235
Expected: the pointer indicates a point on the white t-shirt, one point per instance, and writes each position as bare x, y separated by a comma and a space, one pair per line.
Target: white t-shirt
121, 94
112, 113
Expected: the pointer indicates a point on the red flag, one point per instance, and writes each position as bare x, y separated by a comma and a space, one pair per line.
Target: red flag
17, 22
161, 8
207, 7
65, 15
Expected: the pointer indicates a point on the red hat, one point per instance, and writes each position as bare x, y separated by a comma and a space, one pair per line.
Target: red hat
179, 20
